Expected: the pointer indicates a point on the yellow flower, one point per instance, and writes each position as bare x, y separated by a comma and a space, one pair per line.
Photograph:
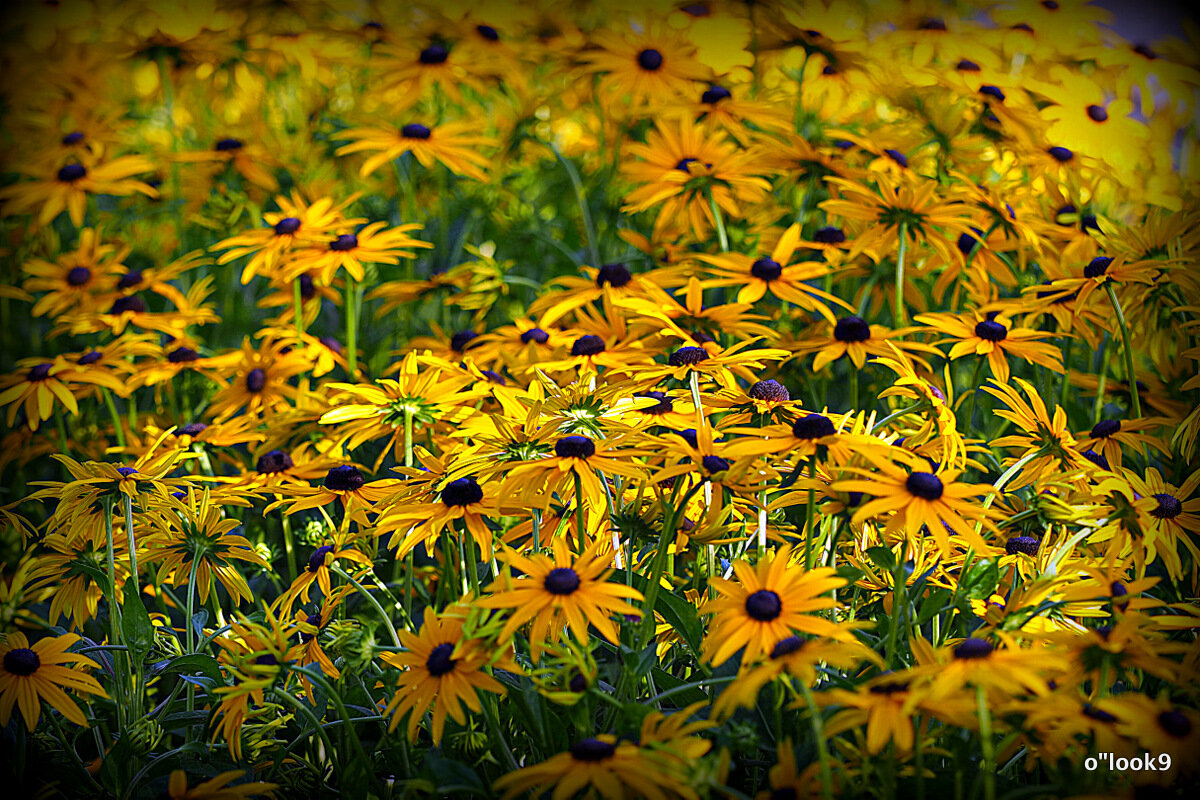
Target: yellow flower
29, 675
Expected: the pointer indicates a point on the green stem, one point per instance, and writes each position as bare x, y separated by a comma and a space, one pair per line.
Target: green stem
988, 767
973, 387
719, 220
116, 417
579, 518
351, 327
114, 611
818, 726
1130, 367
408, 434
289, 547
133, 564
903, 412
298, 312
62, 737
580, 198
307, 712
1098, 406
899, 600
1066, 378
899, 307
809, 515
383, 615
493, 719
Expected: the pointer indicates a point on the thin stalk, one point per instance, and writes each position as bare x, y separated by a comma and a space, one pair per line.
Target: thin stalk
1130, 367
408, 435
1066, 382
809, 515
719, 220
1098, 406
114, 610
133, 564
316, 724
988, 767
579, 519
289, 546
111, 405
298, 312
62, 736
903, 412
899, 307
351, 327
588, 227
973, 386
818, 726
358, 587
493, 720
899, 601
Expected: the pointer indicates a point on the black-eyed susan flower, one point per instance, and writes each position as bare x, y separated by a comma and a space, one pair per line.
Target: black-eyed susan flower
995, 339
29, 675
441, 668
261, 379
68, 187
43, 384
650, 67
373, 244
456, 145
568, 590
82, 279
297, 223
608, 768
769, 602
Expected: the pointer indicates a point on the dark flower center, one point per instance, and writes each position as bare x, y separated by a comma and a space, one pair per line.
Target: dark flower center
587, 345
535, 335
460, 341
71, 173
684, 164
1097, 267
439, 661
191, 429
714, 464
763, 605
891, 687
317, 559
266, 660
1145, 52
256, 379
347, 241
434, 54
39, 373
575, 447
992, 91
487, 32
766, 269
1088, 222
1021, 544
829, 235
1169, 507
769, 390
664, 405
130, 279
689, 436
967, 242
315, 621
966, 65
494, 377
286, 226
1117, 589
715, 94
852, 329
1097, 113
578, 683
132, 303
829, 69
615, 275
462, 492
332, 343
414, 130
1091, 711
991, 331
1022, 26
561, 581
1099, 459
78, 276
72, 138
813, 426
973, 648
228, 144
650, 59
686, 356
1105, 428
1173, 722
932, 24
344, 478
925, 485
127, 471
90, 358
182, 355
785, 647
21, 661
897, 156
592, 750
273, 461
1060, 154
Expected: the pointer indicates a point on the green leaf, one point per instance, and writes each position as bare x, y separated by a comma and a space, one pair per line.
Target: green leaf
675, 610
195, 663
882, 557
136, 628
981, 580
937, 601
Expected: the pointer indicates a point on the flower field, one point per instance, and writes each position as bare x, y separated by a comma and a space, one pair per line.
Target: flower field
620, 400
